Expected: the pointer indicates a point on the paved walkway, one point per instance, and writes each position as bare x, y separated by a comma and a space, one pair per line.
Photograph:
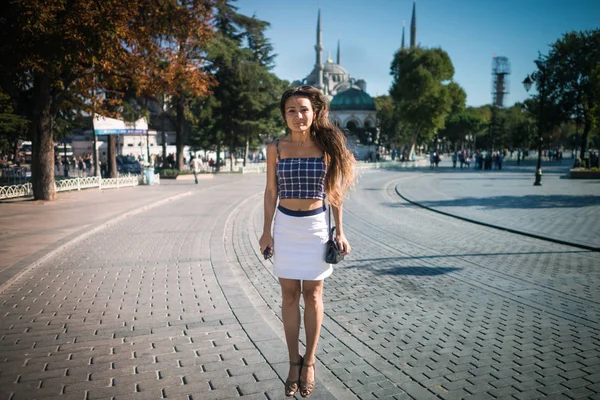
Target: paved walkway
175, 301
33, 229
562, 209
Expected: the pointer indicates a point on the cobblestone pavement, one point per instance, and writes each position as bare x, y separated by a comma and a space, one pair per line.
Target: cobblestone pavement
45, 224
562, 209
176, 302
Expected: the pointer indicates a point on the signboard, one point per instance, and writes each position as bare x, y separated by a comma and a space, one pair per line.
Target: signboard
113, 126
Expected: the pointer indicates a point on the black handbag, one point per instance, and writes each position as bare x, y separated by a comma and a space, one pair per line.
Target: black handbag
332, 254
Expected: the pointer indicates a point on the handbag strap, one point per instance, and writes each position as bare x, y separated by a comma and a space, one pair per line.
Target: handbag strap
331, 230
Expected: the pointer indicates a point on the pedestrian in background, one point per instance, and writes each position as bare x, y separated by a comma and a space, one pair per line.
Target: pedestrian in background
196, 166
303, 167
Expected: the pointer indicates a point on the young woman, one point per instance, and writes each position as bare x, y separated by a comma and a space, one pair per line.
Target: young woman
310, 163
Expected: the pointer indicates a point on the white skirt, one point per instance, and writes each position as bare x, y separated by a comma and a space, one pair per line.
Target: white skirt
299, 244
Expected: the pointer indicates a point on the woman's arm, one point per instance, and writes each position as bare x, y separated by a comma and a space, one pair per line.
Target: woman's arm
339, 229
270, 198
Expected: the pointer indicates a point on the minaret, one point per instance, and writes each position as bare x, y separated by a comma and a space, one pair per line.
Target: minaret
403, 26
319, 49
339, 57
413, 27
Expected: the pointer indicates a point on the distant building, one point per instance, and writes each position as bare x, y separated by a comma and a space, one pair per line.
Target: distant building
351, 106
352, 110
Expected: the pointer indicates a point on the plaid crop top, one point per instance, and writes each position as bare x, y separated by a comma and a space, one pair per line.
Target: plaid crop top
300, 177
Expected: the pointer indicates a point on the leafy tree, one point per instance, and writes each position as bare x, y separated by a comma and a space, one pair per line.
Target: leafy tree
423, 89
62, 47
521, 125
133, 110
388, 120
243, 108
459, 127
183, 29
572, 79
13, 127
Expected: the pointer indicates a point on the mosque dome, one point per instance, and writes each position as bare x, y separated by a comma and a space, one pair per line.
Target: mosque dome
352, 99
334, 69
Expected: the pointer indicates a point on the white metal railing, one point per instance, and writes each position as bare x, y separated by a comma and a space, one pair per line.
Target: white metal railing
254, 167
9, 192
63, 185
122, 181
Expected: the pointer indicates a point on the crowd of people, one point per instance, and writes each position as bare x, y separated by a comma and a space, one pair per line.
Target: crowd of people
488, 160
9, 159
68, 166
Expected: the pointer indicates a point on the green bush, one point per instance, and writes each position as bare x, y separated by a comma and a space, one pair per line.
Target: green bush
168, 173
173, 173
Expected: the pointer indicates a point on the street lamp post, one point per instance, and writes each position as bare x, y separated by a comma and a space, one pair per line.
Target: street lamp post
539, 77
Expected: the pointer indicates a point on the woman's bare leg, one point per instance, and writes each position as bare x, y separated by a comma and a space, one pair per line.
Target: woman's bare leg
312, 291
290, 313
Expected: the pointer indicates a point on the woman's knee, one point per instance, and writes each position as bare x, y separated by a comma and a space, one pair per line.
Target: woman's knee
290, 295
313, 295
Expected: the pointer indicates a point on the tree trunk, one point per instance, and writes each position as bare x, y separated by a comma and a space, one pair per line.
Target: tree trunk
42, 144
180, 129
111, 156
164, 143
247, 149
218, 162
148, 146
15, 149
413, 141
231, 153
584, 137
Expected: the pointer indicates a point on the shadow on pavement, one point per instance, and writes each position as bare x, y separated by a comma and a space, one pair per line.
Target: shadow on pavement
372, 261
446, 168
488, 178
416, 271
401, 270
521, 202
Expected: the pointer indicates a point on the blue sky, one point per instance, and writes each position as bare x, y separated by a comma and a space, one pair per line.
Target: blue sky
471, 31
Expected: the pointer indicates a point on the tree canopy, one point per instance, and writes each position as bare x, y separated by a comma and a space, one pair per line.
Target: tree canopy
572, 80
243, 108
423, 90
70, 51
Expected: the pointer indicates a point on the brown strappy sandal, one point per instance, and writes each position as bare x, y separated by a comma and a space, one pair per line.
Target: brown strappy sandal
306, 388
291, 387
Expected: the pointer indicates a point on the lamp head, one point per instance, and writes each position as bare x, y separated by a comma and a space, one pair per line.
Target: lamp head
528, 82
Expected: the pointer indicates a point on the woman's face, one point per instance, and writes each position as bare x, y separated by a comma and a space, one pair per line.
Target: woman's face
299, 114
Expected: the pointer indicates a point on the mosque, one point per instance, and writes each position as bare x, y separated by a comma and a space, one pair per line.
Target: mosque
351, 106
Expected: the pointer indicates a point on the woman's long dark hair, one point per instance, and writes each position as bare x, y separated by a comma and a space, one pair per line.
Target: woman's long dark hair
340, 162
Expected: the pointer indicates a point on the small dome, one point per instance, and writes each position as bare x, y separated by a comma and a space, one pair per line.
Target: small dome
352, 99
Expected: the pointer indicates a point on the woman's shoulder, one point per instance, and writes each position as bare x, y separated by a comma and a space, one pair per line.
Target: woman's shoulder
272, 147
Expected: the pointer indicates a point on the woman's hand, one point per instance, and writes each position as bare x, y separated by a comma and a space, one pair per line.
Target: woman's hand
343, 243
266, 240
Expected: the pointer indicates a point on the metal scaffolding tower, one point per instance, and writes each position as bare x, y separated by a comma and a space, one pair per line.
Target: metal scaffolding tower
500, 72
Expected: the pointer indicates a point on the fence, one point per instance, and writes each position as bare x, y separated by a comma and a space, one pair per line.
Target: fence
63, 185
253, 167
14, 175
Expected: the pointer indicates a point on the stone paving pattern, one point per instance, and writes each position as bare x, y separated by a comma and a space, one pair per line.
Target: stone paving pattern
43, 224
563, 209
176, 302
